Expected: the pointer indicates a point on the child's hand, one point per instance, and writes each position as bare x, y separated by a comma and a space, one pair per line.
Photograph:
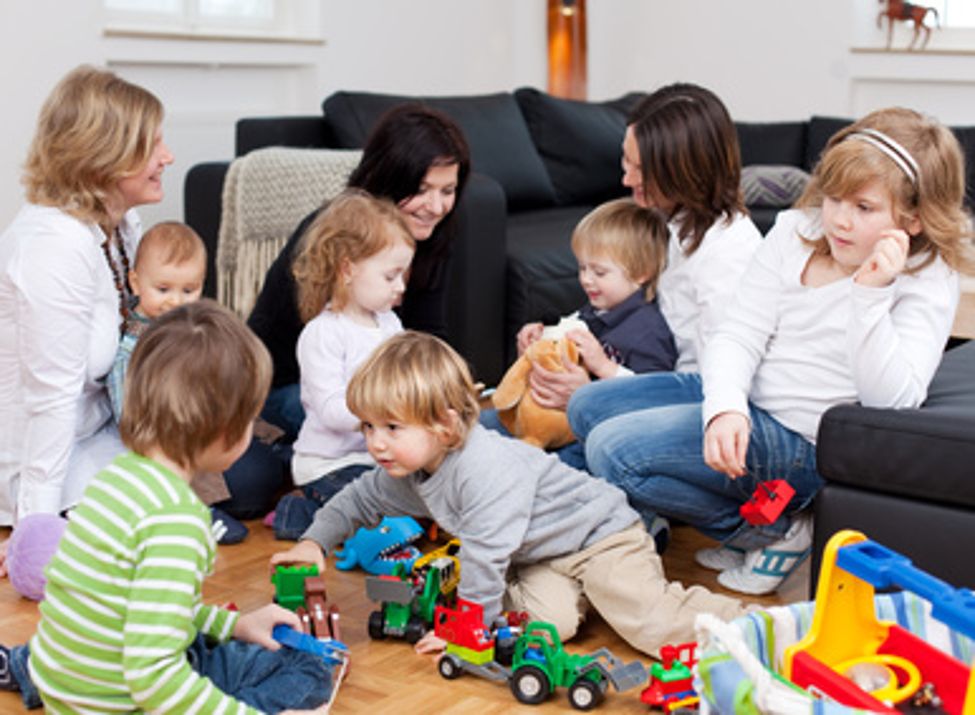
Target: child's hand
886, 261
551, 388
430, 644
592, 353
529, 333
304, 552
256, 626
3, 558
726, 443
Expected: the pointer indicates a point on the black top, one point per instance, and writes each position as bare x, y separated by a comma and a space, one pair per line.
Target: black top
275, 317
633, 334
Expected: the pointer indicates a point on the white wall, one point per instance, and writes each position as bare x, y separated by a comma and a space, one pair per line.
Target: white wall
768, 59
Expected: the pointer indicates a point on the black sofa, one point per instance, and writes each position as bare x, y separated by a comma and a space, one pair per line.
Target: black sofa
540, 163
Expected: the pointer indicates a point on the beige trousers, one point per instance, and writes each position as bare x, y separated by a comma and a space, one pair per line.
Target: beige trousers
622, 577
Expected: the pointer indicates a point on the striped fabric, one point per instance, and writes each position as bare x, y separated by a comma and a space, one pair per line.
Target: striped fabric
760, 639
123, 599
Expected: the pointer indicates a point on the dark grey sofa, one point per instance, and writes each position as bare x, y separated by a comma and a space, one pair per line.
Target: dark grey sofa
540, 163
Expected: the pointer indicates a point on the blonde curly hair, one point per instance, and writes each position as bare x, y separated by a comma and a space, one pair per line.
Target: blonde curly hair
354, 226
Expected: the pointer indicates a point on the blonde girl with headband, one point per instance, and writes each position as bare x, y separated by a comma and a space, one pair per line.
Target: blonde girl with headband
849, 299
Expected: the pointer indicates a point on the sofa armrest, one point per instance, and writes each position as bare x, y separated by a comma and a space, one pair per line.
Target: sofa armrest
924, 453
476, 275
202, 199
307, 132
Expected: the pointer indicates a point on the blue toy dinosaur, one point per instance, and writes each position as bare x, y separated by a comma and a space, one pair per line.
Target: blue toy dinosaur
378, 550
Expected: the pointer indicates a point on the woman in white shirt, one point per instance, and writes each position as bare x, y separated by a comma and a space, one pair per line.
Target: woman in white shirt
849, 299
97, 153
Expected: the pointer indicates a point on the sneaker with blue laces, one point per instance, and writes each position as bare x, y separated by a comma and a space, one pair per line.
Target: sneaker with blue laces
764, 569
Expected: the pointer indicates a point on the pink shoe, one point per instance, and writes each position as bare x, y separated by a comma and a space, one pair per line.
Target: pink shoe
269, 519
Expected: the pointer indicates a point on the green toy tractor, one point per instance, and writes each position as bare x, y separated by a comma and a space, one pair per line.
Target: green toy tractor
541, 665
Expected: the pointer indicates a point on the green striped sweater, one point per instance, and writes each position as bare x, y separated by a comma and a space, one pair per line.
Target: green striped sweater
123, 599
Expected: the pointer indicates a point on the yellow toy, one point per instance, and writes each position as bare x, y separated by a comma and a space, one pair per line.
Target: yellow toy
852, 657
519, 413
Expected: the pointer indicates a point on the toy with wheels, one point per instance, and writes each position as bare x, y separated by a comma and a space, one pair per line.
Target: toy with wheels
853, 658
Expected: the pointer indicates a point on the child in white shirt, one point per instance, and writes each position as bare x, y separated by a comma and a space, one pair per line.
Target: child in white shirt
351, 270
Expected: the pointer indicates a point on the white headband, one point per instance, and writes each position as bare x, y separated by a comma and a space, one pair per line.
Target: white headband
897, 153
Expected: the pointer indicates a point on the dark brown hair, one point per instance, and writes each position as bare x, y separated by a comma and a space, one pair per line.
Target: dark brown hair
406, 141
689, 151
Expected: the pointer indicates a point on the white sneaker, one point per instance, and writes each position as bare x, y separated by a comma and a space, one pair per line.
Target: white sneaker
720, 558
765, 569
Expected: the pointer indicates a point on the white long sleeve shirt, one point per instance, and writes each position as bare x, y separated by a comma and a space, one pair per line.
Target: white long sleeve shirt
694, 290
330, 348
59, 330
796, 350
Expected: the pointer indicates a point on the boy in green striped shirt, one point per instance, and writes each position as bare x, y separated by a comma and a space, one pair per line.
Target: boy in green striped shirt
122, 624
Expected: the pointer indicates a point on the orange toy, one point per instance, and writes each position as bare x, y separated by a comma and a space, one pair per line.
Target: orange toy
518, 411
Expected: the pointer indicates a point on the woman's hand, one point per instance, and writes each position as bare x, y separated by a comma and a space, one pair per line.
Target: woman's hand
726, 443
553, 388
256, 626
304, 552
887, 260
430, 644
529, 333
592, 354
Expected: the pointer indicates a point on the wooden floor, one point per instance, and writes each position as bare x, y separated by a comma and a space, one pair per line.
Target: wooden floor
386, 676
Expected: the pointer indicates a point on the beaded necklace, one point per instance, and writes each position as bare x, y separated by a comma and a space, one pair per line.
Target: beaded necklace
121, 281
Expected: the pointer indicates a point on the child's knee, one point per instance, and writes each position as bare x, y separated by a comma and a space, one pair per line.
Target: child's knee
565, 620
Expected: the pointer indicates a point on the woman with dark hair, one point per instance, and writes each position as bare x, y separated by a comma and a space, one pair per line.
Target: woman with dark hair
418, 158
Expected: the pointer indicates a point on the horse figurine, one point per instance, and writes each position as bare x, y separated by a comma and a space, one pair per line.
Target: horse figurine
897, 10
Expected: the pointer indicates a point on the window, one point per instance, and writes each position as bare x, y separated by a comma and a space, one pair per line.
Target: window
953, 13
249, 18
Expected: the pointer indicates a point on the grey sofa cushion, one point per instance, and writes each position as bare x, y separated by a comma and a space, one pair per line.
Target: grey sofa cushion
772, 185
501, 146
579, 143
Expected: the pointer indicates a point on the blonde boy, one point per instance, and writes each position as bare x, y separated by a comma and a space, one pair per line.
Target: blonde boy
536, 535
621, 249
122, 624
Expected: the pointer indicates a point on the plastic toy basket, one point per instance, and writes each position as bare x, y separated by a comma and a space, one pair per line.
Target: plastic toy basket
741, 663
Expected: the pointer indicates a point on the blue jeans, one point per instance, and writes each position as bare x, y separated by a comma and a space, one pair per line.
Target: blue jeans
256, 479
294, 514
266, 680
283, 409
572, 454
645, 435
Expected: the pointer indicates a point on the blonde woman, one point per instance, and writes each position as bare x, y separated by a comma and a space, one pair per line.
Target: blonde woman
97, 153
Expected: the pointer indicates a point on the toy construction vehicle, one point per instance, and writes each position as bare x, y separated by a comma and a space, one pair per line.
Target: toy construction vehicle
408, 598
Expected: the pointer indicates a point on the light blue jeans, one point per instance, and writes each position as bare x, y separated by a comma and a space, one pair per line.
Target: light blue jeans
269, 681
645, 435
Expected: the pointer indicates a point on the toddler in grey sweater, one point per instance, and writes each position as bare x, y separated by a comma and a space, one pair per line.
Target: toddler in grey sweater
536, 535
